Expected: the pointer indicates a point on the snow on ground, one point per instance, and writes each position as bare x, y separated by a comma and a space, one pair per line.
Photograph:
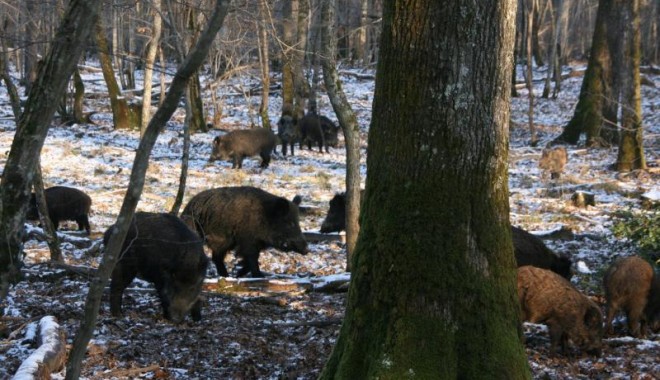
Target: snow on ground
289, 335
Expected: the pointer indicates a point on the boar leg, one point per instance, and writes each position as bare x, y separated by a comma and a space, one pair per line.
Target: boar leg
250, 260
121, 278
611, 312
83, 223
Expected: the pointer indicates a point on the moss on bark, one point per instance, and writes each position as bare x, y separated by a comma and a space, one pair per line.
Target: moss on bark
433, 289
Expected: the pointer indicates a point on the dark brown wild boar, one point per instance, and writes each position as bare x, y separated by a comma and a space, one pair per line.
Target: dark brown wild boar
548, 298
628, 287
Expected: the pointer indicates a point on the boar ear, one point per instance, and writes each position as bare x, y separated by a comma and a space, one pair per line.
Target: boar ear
216, 140
276, 208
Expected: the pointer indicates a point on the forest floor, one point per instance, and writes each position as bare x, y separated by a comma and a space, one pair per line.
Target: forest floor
287, 331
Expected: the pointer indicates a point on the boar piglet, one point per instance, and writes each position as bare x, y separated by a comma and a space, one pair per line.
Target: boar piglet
629, 286
63, 203
553, 159
246, 219
236, 145
530, 250
546, 297
287, 131
161, 249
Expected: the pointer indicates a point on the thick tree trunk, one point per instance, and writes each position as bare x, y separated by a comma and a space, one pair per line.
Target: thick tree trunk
190, 65
31, 132
432, 294
631, 149
194, 94
348, 123
596, 104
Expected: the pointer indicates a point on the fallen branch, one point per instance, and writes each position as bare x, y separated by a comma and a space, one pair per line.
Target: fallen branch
130, 372
323, 323
50, 355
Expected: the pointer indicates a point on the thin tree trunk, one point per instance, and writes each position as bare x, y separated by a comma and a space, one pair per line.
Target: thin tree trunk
529, 74
287, 59
264, 60
189, 66
348, 123
14, 98
301, 86
31, 131
149, 63
78, 97
47, 225
185, 158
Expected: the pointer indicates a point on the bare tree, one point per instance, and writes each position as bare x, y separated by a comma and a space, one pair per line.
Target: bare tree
149, 60
187, 68
31, 132
348, 123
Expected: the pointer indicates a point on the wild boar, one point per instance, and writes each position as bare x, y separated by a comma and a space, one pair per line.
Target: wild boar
548, 298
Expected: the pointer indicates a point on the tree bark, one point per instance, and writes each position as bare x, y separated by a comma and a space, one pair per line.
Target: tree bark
47, 225
432, 294
348, 123
631, 148
78, 97
187, 68
31, 131
149, 63
120, 110
529, 73
287, 59
264, 60
596, 105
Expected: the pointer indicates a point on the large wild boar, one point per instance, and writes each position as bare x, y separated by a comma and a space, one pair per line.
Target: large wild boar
245, 218
631, 285
64, 203
530, 250
546, 297
161, 249
236, 145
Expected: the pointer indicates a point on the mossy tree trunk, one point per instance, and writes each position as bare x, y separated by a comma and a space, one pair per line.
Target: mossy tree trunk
432, 293
120, 109
31, 130
631, 150
596, 112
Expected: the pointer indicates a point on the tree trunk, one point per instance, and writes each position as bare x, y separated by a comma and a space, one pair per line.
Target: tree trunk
301, 91
185, 158
120, 110
149, 63
190, 65
264, 60
78, 97
348, 123
432, 294
47, 225
631, 149
287, 59
31, 131
14, 98
197, 118
529, 74
596, 104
